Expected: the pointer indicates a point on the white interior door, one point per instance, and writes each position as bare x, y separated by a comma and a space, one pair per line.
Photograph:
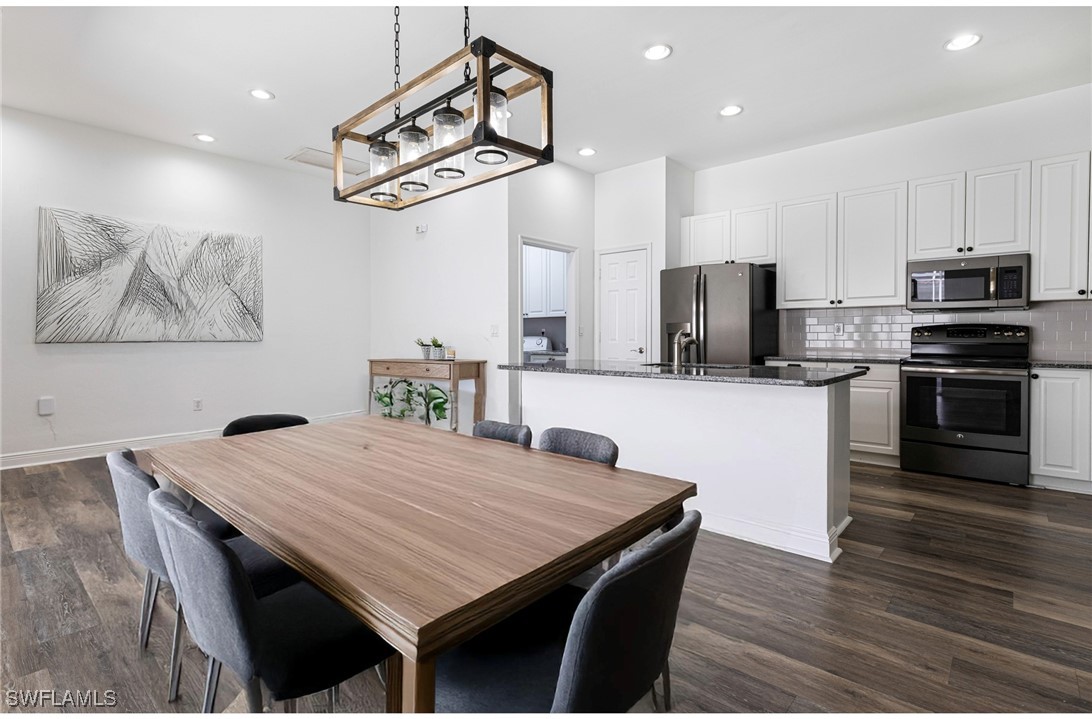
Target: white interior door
623, 306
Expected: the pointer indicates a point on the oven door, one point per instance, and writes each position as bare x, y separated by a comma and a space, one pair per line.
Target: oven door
966, 407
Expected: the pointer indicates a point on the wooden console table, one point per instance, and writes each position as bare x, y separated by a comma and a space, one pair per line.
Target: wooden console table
454, 371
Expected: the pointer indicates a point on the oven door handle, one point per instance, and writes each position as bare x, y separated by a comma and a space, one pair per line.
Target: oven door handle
969, 371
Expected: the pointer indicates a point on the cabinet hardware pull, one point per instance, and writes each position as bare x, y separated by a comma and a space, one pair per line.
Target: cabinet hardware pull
970, 249
1035, 376
959, 249
832, 301
1080, 292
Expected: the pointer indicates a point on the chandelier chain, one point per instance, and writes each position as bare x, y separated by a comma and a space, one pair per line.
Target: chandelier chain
397, 57
466, 39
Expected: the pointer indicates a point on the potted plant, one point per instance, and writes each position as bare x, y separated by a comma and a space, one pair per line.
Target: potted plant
437, 349
426, 348
434, 400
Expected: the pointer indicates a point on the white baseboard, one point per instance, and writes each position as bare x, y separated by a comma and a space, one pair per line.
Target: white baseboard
100, 449
883, 460
1079, 486
823, 547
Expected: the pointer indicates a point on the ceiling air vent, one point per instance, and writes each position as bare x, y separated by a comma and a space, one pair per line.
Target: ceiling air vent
325, 160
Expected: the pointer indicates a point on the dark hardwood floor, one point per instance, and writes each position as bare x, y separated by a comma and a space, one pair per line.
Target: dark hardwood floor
951, 596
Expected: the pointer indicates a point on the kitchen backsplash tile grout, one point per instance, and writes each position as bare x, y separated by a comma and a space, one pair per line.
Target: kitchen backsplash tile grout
1060, 331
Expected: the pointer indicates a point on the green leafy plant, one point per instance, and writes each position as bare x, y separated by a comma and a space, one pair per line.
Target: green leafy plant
401, 398
436, 342
421, 343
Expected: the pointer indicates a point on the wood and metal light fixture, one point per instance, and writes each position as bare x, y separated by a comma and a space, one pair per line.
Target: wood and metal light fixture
442, 158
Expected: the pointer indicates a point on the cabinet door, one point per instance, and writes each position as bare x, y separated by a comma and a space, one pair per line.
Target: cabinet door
1061, 401
534, 281
1059, 228
936, 225
998, 206
753, 235
806, 252
874, 416
557, 291
707, 239
872, 246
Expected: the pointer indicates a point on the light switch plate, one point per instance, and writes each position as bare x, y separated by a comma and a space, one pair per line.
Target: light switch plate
46, 406
839, 328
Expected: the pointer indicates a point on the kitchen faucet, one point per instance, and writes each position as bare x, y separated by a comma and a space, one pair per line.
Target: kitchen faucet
681, 341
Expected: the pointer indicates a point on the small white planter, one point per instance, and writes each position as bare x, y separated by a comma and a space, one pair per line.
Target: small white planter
437, 353
426, 352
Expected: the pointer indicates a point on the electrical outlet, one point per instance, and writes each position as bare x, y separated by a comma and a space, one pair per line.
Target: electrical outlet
198, 405
494, 330
839, 329
580, 331
421, 229
46, 406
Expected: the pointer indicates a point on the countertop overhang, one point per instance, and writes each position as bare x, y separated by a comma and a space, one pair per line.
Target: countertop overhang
739, 374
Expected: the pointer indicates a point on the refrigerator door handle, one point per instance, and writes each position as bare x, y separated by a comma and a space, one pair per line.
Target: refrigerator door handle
694, 303
701, 321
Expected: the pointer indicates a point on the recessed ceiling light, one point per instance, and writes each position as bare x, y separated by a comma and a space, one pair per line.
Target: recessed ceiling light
586, 151
962, 42
657, 52
730, 110
260, 94
204, 138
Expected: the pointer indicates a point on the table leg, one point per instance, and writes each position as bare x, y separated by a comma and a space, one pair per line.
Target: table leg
371, 393
411, 686
479, 395
453, 393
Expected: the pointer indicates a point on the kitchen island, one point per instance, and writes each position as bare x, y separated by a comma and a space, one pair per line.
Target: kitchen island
768, 447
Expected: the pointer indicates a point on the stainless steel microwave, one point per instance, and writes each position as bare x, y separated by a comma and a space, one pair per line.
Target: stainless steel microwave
989, 282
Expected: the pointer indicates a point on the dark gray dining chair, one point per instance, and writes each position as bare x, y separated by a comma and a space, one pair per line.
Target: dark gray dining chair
572, 652
297, 641
262, 423
579, 444
133, 485
515, 433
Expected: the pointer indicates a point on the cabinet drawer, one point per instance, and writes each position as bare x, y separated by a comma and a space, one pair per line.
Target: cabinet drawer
876, 372
412, 370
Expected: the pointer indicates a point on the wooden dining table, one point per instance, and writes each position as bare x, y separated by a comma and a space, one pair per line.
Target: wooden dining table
427, 536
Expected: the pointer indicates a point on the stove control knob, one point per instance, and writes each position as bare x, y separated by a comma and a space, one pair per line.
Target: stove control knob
959, 436
917, 333
1008, 333
928, 333
997, 333
1021, 333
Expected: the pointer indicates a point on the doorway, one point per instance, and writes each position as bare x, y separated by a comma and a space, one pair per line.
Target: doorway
625, 308
548, 300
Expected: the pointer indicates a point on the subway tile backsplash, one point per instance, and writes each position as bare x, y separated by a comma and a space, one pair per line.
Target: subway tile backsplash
1060, 331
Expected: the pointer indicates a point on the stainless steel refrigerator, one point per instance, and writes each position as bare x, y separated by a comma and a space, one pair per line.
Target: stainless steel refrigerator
730, 309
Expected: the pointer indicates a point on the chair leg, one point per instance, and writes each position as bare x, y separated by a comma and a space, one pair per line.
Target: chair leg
254, 695
381, 672
655, 699
176, 654
151, 586
667, 686
331, 697
335, 694
289, 706
212, 679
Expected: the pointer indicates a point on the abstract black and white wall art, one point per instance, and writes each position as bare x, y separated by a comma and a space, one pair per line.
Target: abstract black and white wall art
101, 279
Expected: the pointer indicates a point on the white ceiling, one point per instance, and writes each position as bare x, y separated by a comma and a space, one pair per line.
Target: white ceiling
803, 75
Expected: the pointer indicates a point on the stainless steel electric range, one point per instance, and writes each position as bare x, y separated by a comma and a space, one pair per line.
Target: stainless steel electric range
965, 402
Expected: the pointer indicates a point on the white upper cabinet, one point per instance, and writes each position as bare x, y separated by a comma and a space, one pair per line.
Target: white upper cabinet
998, 206
1059, 228
1061, 400
708, 239
936, 224
753, 235
557, 291
872, 246
807, 240
545, 289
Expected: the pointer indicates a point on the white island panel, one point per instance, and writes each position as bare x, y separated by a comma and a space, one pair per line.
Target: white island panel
771, 461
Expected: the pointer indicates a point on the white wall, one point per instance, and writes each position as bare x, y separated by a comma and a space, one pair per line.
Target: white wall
631, 209
680, 204
555, 203
451, 282
317, 312
1052, 124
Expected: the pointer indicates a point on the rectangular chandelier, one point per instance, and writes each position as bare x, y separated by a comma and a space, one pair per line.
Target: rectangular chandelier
441, 158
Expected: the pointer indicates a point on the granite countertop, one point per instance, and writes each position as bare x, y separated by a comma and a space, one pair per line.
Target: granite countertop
837, 358
740, 374
1063, 364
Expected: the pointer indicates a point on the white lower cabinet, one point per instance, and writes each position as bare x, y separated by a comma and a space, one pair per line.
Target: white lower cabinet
873, 404
1061, 427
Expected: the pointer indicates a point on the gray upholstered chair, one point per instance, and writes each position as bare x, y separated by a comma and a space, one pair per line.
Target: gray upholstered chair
579, 444
133, 485
575, 652
261, 423
515, 433
297, 641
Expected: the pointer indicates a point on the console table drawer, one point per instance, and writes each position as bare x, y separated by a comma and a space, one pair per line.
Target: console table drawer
413, 370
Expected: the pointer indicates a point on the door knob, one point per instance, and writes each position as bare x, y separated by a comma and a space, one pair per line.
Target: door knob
639, 350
